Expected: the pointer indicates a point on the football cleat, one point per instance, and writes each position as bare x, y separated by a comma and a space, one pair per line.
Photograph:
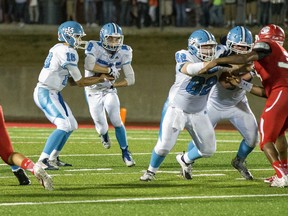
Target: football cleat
186, 169
279, 182
269, 179
49, 165
238, 164
22, 177
147, 176
44, 179
105, 141
127, 157
60, 163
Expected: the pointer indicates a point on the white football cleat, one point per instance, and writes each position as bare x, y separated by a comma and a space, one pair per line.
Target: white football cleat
186, 169
279, 182
148, 176
42, 176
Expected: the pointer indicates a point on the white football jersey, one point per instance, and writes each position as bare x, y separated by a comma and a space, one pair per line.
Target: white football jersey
188, 93
54, 74
221, 97
105, 59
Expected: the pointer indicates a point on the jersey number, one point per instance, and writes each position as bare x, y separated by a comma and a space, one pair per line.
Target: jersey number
71, 57
48, 60
199, 85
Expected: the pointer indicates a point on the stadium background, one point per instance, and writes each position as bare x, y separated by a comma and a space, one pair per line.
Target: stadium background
23, 51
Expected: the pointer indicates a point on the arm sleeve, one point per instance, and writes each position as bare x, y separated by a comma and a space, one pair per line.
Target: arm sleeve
129, 74
75, 72
89, 62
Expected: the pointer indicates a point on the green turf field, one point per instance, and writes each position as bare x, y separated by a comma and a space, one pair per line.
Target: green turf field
100, 184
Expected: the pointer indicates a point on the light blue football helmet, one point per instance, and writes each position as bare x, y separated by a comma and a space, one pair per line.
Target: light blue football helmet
72, 32
111, 37
239, 36
201, 38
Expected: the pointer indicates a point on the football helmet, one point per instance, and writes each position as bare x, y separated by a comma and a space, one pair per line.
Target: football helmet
197, 43
237, 37
111, 37
273, 32
72, 32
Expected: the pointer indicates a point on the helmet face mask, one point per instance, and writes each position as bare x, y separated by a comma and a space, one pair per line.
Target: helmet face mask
71, 33
202, 44
111, 37
272, 32
239, 40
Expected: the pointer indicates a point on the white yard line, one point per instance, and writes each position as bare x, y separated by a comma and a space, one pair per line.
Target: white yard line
236, 196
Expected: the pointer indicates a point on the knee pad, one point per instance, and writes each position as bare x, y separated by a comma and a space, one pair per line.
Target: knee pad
66, 125
161, 152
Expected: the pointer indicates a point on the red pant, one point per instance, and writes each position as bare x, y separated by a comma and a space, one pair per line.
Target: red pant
6, 148
274, 119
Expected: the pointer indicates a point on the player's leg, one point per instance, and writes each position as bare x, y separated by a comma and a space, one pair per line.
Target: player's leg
97, 112
69, 124
166, 140
52, 105
272, 125
244, 121
13, 158
202, 132
112, 106
6, 149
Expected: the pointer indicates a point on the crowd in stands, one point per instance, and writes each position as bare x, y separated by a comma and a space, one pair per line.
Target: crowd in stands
146, 13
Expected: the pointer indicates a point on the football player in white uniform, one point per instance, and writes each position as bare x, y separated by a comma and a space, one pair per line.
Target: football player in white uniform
186, 106
227, 102
109, 55
60, 65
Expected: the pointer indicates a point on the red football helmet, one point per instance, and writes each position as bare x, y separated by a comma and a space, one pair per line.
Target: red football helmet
273, 32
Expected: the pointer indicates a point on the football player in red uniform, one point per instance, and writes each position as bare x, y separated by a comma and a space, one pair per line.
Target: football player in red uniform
271, 63
11, 157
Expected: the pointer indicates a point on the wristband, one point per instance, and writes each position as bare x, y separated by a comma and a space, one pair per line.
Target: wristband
245, 85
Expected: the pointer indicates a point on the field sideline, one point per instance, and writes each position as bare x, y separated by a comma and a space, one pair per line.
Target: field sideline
100, 184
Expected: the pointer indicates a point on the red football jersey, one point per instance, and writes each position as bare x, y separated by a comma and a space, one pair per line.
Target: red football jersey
272, 69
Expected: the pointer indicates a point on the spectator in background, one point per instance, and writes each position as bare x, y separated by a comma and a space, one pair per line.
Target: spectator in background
33, 11
71, 9
11, 11
125, 13
205, 16
166, 11
108, 11
277, 7
230, 12
251, 12
90, 11
264, 12
181, 17
216, 13
153, 5
143, 18
20, 7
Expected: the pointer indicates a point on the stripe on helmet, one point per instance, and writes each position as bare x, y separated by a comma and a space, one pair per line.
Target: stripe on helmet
115, 28
208, 34
243, 34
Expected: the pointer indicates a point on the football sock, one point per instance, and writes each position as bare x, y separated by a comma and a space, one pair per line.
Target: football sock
156, 160
27, 164
244, 149
121, 136
191, 145
54, 140
192, 155
15, 168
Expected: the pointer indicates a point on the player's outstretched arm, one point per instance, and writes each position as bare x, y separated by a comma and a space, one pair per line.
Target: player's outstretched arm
87, 81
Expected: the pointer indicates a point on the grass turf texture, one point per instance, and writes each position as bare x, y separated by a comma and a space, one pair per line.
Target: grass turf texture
100, 184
